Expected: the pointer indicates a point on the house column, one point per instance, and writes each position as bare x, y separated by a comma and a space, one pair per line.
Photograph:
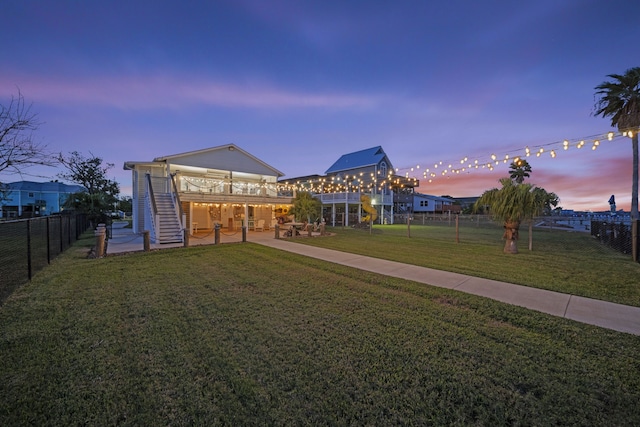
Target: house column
346, 212
333, 214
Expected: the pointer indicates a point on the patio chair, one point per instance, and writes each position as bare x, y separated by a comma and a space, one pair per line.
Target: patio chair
259, 225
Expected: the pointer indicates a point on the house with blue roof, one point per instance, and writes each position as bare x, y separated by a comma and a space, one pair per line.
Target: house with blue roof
367, 172
28, 198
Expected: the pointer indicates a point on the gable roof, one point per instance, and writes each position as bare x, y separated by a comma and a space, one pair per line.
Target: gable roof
223, 157
358, 159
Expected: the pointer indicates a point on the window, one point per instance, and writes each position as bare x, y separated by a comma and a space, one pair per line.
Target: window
31, 195
424, 203
383, 169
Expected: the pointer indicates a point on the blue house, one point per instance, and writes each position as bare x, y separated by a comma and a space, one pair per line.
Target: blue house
367, 172
28, 199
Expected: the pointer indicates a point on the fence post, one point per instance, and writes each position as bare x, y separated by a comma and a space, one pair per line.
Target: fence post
244, 233
277, 228
146, 241
61, 235
100, 233
48, 243
69, 230
29, 248
409, 226
457, 229
185, 233
216, 233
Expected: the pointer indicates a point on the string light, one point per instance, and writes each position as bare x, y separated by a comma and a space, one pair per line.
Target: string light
551, 148
355, 184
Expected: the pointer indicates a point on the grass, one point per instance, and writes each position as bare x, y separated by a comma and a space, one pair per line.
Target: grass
241, 334
567, 262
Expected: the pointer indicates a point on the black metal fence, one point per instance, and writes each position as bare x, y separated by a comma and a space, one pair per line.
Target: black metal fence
29, 245
616, 235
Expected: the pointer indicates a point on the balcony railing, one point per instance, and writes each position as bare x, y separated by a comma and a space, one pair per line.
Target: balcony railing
376, 199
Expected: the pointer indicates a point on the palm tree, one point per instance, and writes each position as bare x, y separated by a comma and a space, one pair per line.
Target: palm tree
620, 100
512, 204
519, 170
305, 206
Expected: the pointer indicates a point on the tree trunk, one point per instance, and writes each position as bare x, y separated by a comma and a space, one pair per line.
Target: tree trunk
511, 237
634, 198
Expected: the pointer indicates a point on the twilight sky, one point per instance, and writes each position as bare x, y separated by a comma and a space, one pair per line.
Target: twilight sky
299, 83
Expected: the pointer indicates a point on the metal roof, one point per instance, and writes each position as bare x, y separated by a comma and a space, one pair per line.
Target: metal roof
368, 157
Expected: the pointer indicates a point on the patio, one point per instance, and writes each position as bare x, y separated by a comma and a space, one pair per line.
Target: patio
125, 240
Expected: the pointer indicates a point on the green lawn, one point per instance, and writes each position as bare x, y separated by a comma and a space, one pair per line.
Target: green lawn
241, 334
562, 261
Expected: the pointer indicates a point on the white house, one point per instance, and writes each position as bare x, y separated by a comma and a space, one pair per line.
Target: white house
196, 190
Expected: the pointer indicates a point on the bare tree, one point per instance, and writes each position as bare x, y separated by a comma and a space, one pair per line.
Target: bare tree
18, 150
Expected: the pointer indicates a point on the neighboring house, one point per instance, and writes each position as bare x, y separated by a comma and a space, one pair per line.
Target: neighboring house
196, 190
28, 199
424, 203
365, 172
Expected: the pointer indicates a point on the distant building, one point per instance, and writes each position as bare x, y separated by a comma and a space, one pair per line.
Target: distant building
424, 203
28, 199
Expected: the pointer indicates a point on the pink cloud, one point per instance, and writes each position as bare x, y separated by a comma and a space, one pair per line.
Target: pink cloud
136, 93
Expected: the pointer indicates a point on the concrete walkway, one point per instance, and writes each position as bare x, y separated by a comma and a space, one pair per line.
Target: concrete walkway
608, 315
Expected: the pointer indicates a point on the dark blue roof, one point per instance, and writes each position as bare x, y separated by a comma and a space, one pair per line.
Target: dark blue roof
369, 157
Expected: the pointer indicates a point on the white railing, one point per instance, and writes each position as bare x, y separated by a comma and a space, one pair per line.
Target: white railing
177, 204
149, 217
151, 212
377, 199
203, 185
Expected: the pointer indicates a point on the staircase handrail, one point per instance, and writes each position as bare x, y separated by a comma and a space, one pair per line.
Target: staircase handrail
176, 197
154, 206
151, 195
